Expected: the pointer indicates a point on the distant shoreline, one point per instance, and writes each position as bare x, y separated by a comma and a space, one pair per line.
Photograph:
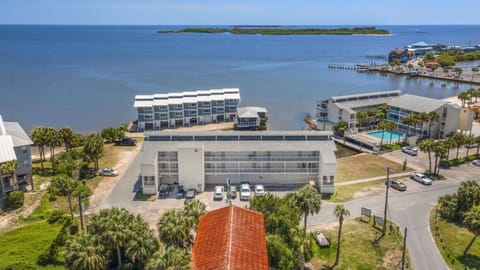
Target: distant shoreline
367, 31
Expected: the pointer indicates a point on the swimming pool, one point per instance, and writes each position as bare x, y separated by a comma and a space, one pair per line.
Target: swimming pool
386, 135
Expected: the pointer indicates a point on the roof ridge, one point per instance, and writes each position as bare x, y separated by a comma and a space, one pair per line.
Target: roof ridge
229, 237
2, 127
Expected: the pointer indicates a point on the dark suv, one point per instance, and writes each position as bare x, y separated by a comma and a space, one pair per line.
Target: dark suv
126, 141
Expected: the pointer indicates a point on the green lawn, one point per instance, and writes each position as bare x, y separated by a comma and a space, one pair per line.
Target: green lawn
22, 246
358, 250
451, 241
365, 166
345, 193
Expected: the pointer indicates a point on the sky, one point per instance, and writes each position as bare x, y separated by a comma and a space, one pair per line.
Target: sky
232, 12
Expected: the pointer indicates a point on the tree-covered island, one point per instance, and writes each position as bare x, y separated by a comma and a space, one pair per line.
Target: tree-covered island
282, 31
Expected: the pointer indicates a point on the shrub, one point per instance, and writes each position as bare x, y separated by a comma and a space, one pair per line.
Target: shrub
14, 200
84, 171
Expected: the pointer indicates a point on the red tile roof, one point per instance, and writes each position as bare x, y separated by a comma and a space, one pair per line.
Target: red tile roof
230, 238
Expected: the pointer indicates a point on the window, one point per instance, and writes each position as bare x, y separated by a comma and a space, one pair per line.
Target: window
206, 110
26, 162
24, 150
147, 117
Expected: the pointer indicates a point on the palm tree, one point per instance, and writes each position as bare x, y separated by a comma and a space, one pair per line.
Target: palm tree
474, 70
302, 241
66, 134
39, 139
141, 247
93, 148
459, 139
112, 228
383, 108
53, 140
440, 151
175, 229
468, 140
408, 120
84, 252
427, 145
477, 141
472, 222
391, 126
383, 125
172, 258
362, 116
463, 96
340, 212
66, 186
309, 201
433, 117
422, 118
194, 209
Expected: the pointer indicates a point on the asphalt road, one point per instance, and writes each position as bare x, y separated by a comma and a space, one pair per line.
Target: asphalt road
408, 209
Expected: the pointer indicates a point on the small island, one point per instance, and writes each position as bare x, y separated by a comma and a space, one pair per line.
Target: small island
282, 31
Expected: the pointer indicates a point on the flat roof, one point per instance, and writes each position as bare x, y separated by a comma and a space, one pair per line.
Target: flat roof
185, 97
417, 103
352, 105
250, 112
372, 94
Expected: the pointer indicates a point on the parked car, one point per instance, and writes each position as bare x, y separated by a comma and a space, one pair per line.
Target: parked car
259, 190
397, 185
410, 150
190, 195
180, 192
164, 190
421, 178
476, 162
233, 192
108, 172
218, 194
125, 141
245, 192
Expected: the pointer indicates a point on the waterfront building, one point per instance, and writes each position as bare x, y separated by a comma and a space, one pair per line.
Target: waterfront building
184, 109
452, 116
253, 118
230, 238
345, 108
15, 145
272, 158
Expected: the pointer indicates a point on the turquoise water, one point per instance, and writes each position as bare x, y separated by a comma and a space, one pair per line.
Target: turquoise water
386, 135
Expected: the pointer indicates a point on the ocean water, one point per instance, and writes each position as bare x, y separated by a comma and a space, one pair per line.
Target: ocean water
86, 77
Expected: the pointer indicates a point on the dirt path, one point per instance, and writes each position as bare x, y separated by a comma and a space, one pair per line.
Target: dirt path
104, 188
8, 219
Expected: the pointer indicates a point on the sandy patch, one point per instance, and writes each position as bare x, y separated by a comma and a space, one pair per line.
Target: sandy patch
367, 192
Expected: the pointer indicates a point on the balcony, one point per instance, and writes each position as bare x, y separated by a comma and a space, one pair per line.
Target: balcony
261, 158
244, 124
262, 170
169, 159
168, 171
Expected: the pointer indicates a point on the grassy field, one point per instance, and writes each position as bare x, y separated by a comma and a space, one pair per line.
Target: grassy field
358, 250
365, 166
451, 241
21, 247
346, 193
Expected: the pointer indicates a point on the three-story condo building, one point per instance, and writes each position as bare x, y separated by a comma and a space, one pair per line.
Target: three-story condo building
271, 158
171, 110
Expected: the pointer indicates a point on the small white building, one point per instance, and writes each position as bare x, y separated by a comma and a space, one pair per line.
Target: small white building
271, 158
179, 109
15, 145
250, 117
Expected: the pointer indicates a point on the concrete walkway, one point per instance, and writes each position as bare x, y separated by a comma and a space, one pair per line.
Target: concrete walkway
376, 178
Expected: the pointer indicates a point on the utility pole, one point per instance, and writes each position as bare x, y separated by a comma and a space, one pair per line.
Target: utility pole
384, 229
404, 248
80, 207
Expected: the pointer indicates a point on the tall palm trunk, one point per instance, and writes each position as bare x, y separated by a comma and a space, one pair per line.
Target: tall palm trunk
119, 256
458, 148
383, 133
470, 245
70, 204
478, 148
391, 137
429, 160
337, 256
466, 156
305, 221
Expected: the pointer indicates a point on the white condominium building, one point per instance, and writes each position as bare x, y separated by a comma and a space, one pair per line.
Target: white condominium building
171, 110
271, 158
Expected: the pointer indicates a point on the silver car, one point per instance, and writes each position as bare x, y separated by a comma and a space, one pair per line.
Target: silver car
410, 150
108, 172
476, 162
245, 192
218, 194
421, 178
